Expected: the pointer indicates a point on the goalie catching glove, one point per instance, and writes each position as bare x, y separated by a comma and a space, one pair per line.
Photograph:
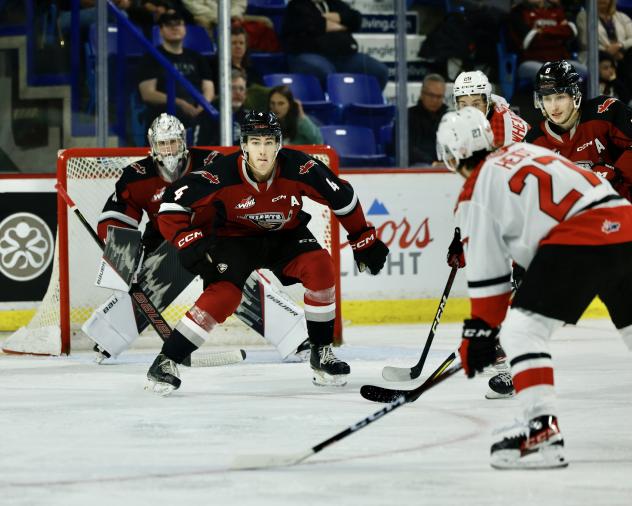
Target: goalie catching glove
368, 251
478, 346
193, 252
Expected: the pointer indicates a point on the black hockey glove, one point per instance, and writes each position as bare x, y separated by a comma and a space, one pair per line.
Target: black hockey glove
151, 239
612, 174
456, 257
368, 251
478, 346
196, 257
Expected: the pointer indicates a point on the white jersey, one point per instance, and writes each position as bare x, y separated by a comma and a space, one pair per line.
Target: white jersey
507, 126
524, 196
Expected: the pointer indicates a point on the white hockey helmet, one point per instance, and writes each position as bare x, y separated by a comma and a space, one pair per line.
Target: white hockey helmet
472, 83
461, 134
166, 137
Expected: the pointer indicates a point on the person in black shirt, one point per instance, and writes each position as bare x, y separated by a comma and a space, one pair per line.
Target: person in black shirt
192, 65
423, 121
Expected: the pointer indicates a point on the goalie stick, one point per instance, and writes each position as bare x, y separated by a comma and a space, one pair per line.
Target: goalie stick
246, 462
390, 373
145, 306
381, 394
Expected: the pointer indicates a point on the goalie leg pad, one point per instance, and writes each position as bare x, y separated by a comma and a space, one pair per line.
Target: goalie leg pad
113, 326
273, 314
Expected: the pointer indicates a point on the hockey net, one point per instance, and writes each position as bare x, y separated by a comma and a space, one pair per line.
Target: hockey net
89, 176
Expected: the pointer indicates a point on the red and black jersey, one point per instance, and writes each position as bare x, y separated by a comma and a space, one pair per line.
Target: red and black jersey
603, 135
225, 200
140, 188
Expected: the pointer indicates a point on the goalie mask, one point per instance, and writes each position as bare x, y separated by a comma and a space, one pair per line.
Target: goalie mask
555, 78
260, 124
472, 83
461, 134
166, 137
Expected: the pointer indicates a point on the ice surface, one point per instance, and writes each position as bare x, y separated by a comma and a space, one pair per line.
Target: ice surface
74, 433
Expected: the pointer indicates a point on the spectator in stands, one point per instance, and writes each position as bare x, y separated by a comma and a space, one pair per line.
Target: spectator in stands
423, 121
614, 34
317, 35
296, 126
205, 13
609, 82
540, 32
239, 95
192, 65
87, 14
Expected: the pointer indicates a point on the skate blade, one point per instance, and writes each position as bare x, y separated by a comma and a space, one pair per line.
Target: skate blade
550, 458
162, 389
322, 379
99, 358
496, 395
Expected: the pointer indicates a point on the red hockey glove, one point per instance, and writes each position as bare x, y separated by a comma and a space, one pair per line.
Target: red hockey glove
456, 257
368, 251
478, 346
193, 249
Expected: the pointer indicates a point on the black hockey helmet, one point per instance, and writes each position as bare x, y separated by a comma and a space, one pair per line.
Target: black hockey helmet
557, 77
259, 123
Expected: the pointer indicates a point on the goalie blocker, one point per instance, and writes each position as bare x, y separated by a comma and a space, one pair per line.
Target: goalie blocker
115, 325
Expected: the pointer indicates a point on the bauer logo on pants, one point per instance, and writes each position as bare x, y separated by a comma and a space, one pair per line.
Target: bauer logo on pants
26, 246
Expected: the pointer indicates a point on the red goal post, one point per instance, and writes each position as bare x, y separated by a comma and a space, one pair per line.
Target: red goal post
88, 175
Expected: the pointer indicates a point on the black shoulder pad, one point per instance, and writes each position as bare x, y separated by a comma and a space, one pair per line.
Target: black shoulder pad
142, 169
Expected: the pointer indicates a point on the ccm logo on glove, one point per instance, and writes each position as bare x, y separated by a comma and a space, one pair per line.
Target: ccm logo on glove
189, 238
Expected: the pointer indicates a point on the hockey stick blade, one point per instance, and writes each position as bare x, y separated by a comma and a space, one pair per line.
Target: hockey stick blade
390, 373
382, 394
252, 462
267, 461
218, 358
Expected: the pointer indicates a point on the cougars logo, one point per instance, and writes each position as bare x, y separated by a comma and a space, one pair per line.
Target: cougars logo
304, 169
210, 157
138, 168
211, 177
606, 104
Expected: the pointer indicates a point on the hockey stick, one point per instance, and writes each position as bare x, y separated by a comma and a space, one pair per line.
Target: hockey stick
381, 394
390, 373
144, 305
265, 461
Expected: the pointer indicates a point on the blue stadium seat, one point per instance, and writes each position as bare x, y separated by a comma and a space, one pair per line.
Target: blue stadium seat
345, 89
197, 39
268, 63
369, 115
265, 7
625, 6
306, 88
355, 145
361, 99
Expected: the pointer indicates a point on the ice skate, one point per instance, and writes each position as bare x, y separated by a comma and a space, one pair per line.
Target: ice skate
328, 369
500, 386
302, 352
537, 445
163, 377
100, 354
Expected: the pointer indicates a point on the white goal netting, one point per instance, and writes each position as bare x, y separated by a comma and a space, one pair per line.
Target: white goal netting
89, 176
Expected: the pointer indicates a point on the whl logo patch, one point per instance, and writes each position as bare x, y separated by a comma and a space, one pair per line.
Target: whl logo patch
246, 203
608, 227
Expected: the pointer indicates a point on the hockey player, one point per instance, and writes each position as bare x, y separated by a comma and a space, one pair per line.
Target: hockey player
595, 134
529, 204
244, 212
473, 89
115, 325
